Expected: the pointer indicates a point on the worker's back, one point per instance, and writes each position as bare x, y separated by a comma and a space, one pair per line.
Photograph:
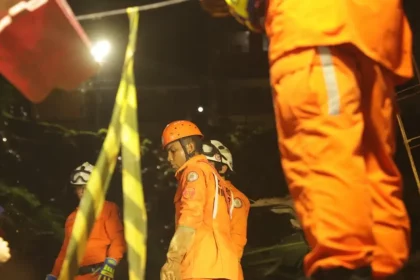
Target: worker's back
239, 218
212, 254
239, 224
378, 28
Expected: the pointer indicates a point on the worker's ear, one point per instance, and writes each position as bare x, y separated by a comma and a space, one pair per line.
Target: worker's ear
190, 147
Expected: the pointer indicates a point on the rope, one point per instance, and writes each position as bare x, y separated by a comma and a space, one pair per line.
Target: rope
147, 7
123, 129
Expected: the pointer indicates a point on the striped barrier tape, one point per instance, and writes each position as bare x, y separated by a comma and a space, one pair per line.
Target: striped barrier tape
123, 130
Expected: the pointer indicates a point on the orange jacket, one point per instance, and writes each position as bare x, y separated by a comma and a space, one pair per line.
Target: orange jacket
105, 240
239, 219
202, 203
378, 28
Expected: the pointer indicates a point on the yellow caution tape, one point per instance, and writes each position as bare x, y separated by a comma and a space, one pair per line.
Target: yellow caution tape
135, 215
123, 130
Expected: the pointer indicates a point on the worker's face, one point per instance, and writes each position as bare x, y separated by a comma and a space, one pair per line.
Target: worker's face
80, 190
224, 169
221, 171
176, 155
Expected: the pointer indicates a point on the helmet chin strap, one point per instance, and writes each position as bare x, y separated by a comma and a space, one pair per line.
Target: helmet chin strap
184, 147
219, 167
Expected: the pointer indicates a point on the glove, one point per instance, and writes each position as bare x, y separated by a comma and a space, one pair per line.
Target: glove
108, 270
171, 271
50, 277
180, 244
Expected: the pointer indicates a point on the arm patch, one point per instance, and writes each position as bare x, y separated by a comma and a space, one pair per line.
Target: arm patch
188, 193
237, 202
192, 176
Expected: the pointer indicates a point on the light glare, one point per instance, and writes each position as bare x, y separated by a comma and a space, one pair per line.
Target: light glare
100, 50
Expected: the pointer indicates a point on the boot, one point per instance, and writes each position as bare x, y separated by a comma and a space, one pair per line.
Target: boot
341, 273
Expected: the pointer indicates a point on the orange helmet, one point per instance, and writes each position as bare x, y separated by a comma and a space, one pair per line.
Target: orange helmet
177, 130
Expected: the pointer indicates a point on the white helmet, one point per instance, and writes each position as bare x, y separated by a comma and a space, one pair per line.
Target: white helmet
81, 174
211, 152
224, 151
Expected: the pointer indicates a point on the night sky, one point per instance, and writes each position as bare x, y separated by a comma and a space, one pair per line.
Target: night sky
176, 46
178, 35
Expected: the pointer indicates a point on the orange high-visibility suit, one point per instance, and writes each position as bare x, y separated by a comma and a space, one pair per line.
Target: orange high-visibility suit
201, 203
106, 240
239, 223
334, 65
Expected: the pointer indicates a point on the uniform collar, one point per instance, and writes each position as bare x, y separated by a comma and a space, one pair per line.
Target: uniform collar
192, 160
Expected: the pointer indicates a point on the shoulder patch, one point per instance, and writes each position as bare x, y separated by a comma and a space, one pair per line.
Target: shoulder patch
237, 202
188, 193
192, 176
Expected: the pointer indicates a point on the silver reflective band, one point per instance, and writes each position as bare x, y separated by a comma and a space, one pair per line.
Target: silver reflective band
330, 78
216, 196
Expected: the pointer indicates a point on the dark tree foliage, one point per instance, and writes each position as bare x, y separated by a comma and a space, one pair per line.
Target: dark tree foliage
36, 159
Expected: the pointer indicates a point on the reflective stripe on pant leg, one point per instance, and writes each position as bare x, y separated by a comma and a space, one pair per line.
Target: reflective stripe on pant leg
330, 78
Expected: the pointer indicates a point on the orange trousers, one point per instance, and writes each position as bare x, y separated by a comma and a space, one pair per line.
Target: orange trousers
240, 272
335, 115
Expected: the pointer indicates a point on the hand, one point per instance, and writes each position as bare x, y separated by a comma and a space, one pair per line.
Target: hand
50, 277
171, 271
4, 251
108, 269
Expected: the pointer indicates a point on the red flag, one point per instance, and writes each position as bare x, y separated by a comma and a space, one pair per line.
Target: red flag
43, 47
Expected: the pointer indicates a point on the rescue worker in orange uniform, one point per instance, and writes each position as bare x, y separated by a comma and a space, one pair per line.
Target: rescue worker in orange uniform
106, 244
220, 156
201, 247
333, 69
